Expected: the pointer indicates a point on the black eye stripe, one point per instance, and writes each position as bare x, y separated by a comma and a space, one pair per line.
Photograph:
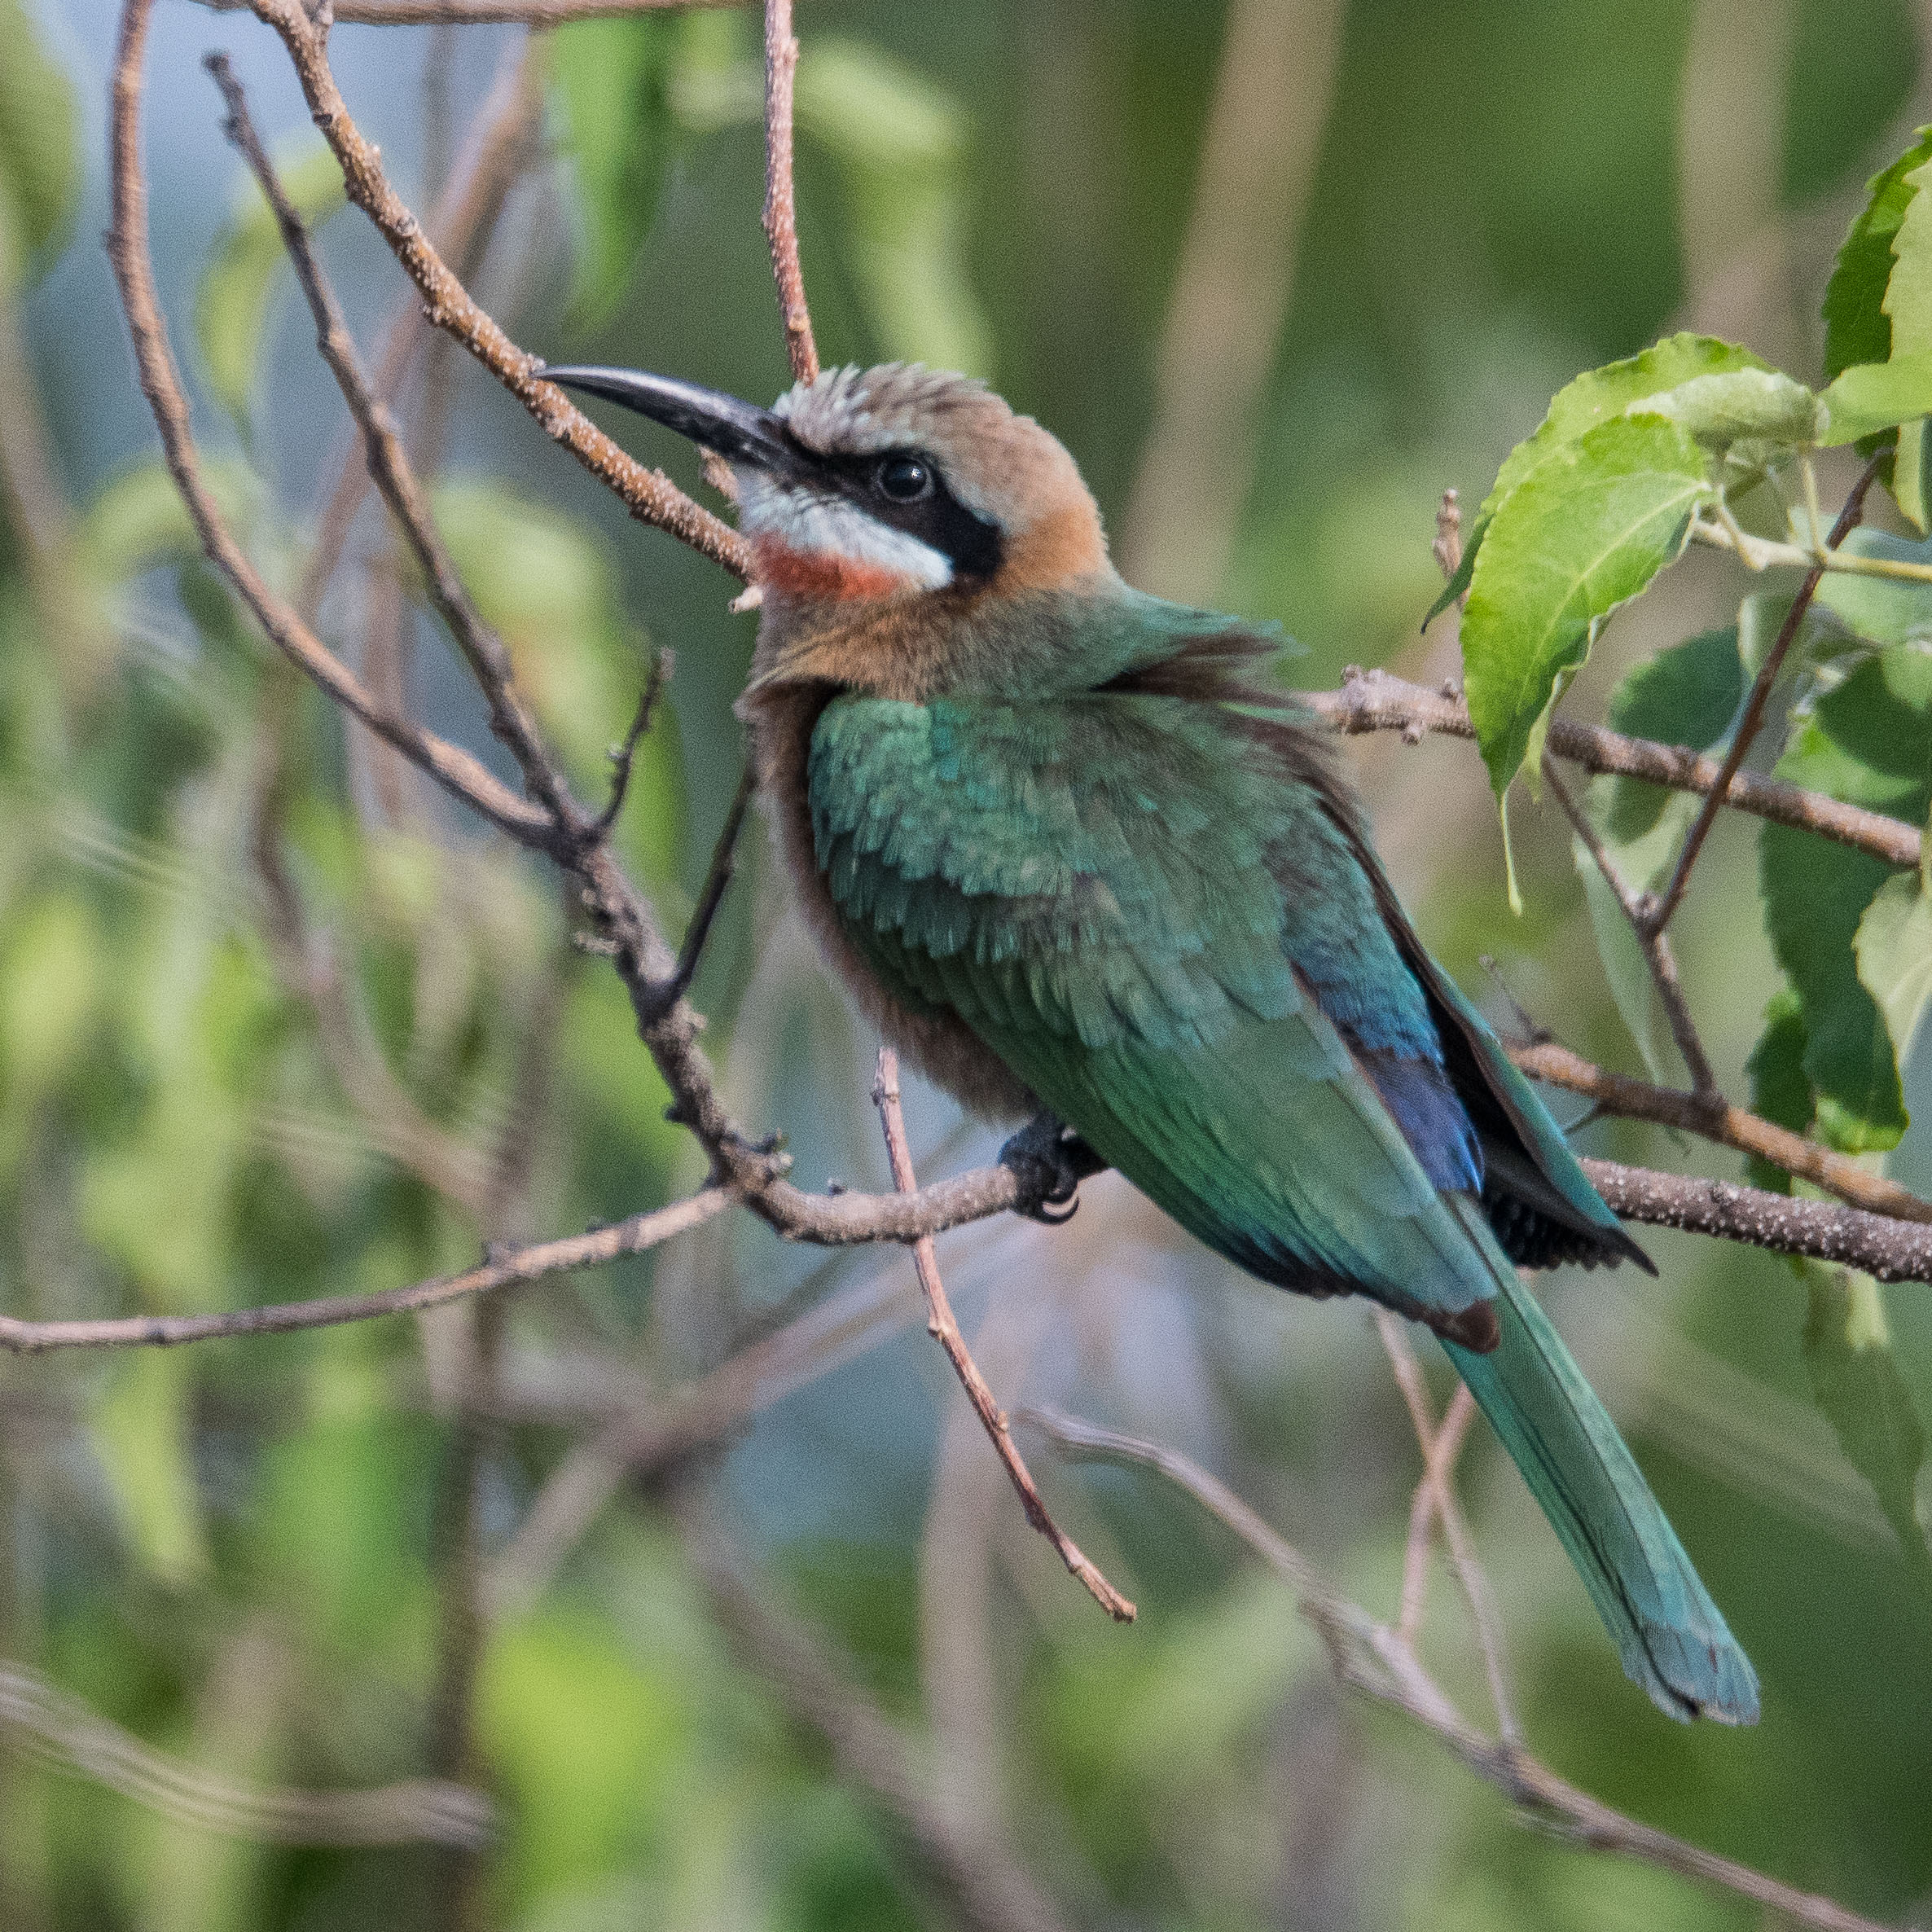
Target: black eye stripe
974, 545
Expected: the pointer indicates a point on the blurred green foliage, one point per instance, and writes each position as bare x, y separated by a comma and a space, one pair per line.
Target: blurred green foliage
274, 1022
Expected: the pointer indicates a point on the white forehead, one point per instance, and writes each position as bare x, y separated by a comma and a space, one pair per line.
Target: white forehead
863, 412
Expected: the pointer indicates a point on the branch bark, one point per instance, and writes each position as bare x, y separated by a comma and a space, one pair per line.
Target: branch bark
781, 201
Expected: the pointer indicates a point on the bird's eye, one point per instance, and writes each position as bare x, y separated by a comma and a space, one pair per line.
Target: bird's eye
905, 479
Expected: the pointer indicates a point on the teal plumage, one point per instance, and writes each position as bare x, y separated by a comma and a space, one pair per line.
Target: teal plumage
1150, 899
1066, 855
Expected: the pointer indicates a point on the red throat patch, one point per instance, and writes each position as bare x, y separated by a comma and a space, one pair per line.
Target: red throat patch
820, 576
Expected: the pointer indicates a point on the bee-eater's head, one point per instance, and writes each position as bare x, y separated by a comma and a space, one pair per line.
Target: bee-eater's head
869, 486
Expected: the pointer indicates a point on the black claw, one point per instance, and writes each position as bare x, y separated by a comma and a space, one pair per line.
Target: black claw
1045, 1149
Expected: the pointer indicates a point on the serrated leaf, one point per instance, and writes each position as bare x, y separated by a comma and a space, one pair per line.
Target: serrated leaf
40, 150
1894, 955
1583, 535
1881, 609
1857, 326
1594, 398
613, 82
1781, 1092
1873, 397
232, 298
1856, 1380
1757, 404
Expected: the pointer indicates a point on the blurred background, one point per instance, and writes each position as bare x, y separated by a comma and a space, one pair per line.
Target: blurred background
671, 1559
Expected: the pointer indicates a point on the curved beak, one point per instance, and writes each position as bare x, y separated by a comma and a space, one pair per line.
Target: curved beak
739, 432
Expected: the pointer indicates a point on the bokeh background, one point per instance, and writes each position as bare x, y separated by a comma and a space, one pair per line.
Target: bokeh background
1279, 272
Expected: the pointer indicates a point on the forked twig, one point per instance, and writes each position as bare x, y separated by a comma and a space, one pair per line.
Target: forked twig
724, 863
945, 1330
1374, 1659
623, 756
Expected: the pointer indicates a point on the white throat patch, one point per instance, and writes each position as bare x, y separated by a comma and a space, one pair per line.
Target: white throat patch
833, 526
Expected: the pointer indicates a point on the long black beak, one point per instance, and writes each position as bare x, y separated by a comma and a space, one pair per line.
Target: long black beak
739, 432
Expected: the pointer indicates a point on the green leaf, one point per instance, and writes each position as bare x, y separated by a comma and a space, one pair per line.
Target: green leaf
1871, 396
1583, 535
40, 147
231, 301
900, 146
1912, 488
1894, 955
1868, 741
1720, 409
1858, 328
1856, 1380
1594, 398
1883, 610
142, 1437
1781, 1092
612, 81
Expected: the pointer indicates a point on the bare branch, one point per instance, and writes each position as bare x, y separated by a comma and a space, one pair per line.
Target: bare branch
517, 1269
66, 1731
487, 13
1658, 953
649, 495
781, 207
1375, 1660
724, 860
624, 756
1377, 701
1888, 1250
1745, 735
945, 1330
1714, 1118
509, 718
458, 773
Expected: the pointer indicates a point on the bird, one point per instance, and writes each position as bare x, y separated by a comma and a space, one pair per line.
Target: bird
1085, 862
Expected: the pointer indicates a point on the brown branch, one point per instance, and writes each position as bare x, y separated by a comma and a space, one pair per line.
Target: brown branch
1887, 1249
394, 475
624, 756
1714, 1118
1374, 1659
1746, 735
945, 1330
66, 1731
454, 769
517, 1269
781, 207
486, 13
1658, 954
724, 859
463, 222
1377, 701
651, 496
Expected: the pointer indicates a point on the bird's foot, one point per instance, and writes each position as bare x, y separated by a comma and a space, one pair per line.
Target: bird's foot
1056, 1160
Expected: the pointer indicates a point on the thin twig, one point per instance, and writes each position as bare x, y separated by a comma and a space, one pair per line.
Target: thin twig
624, 756
62, 1730
781, 205
1714, 1118
1655, 943
1746, 735
1441, 1444
463, 223
394, 475
650, 496
1370, 1657
455, 770
945, 1331
1377, 701
486, 13
519, 1267
1762, 553
724, 859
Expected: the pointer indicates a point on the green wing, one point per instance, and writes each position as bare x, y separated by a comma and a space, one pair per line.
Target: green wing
1103, 890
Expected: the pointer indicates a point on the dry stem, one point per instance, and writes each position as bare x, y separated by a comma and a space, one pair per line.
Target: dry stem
945, 1330
781, 202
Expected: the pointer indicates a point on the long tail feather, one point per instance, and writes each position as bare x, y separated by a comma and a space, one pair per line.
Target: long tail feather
1672, 1638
